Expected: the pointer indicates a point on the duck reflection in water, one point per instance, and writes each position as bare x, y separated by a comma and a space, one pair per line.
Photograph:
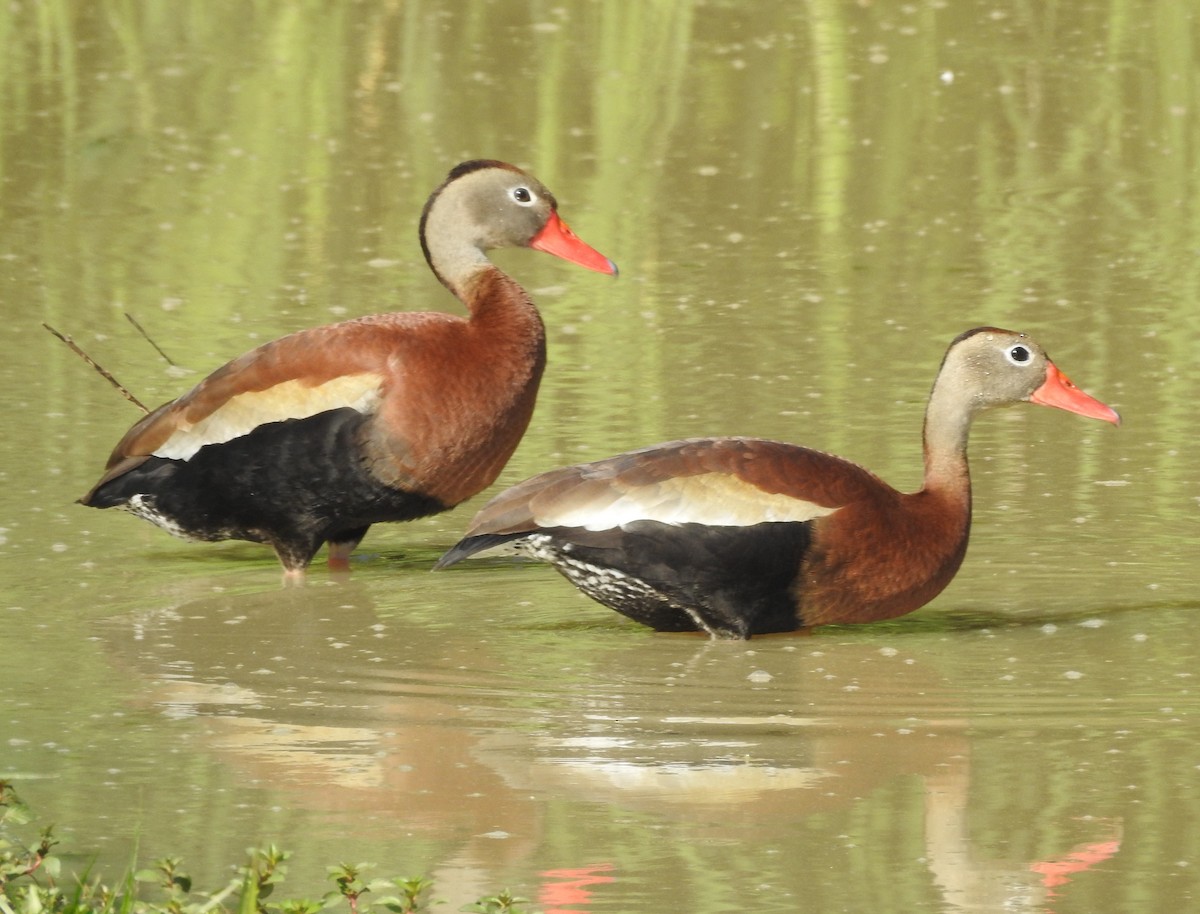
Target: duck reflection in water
372, 720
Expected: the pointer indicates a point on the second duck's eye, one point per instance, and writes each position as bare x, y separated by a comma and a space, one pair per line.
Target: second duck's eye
522, 195
1019, 355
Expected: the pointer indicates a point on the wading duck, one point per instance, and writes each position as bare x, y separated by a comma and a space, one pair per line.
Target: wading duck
740, 536
317, 435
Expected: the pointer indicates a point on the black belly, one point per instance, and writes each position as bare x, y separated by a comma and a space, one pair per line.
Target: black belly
293, 484
732, 582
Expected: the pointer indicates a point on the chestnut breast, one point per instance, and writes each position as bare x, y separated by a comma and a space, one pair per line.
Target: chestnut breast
469, 388
882, 555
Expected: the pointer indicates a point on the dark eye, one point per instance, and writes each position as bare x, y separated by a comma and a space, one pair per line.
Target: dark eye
1019, 355
522, 195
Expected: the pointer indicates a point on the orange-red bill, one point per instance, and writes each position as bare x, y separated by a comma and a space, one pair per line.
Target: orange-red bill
557, 238
1058, 391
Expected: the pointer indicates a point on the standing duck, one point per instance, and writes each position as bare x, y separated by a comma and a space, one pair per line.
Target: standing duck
317, 435
741, 536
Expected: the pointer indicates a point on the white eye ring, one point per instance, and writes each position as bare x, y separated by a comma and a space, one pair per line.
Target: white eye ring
523, 196
1019, 354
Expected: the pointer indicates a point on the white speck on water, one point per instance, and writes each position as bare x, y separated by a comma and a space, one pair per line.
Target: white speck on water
947, 77
760, 676
1049, 628
1092, 623
498, 834
708, 170
1073, 674
888, 651
1140, 636
59, 547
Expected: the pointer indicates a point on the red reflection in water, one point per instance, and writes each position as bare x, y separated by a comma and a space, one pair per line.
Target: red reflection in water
1058, 872
569, 887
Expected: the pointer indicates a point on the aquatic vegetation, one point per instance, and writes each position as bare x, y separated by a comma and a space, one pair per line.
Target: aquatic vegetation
504, 903
32, 882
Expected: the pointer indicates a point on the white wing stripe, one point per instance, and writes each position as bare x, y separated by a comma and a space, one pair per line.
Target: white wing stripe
712, 498
288, 400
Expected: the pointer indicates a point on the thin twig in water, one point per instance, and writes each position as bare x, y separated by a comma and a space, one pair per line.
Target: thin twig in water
104, 373
142, 331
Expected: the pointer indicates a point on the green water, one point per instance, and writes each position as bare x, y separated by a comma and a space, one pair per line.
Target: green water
807, 202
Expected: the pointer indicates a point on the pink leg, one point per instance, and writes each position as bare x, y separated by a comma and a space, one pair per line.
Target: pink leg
339, 556
340, 548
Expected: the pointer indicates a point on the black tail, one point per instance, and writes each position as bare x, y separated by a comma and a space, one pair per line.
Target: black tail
149, 478
472, 544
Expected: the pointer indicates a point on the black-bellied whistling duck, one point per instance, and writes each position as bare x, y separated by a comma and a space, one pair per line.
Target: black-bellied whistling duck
315, 436
740, 536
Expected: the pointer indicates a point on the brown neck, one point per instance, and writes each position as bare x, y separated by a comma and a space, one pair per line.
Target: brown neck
507, 336
944, 502
483, 376
497, 301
